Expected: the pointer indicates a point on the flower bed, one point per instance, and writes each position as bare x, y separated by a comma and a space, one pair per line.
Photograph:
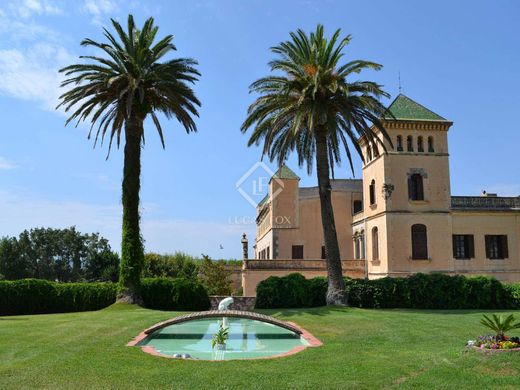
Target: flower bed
492, 343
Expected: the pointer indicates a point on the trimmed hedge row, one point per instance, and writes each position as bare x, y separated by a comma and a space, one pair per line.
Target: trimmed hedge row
431, 291
174, 294
420, 291
290, 291
37, 296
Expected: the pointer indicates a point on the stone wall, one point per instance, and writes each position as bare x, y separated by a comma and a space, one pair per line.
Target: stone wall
240, 303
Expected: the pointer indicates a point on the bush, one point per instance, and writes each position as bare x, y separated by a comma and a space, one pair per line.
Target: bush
214, 276
290, 291
176, 265
174, 294
36, 296
431, 291
420, 291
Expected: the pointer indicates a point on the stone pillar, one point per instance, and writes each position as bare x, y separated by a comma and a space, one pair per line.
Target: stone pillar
245, 249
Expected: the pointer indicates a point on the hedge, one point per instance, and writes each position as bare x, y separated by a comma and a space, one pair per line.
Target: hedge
290, 291
174, 294
420, 291
431, 291
37, 296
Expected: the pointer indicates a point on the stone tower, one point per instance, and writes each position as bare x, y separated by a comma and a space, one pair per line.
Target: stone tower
406, 192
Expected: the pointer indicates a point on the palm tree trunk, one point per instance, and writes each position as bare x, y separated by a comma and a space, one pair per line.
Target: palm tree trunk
132, 251
336, 285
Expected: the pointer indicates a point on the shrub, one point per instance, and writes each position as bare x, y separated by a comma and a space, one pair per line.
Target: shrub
214, 276
177, 265
290, 291
420, 291
174, 294
36, 296
432, 291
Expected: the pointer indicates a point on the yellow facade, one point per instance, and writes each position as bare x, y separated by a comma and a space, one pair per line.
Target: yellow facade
409, 221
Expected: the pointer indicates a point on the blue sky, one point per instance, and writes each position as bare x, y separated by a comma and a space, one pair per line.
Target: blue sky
461, 59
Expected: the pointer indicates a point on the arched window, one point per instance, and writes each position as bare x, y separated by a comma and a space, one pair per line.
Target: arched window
430, 145
415, 187
369, 153
375, 244
399, 143
356, 247
420, 147
409, 144
372, 192
419, 242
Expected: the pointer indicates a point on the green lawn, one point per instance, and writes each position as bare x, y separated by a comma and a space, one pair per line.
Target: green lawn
362, 349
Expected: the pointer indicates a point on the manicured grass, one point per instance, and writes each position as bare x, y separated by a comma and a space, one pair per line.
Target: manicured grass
362, 349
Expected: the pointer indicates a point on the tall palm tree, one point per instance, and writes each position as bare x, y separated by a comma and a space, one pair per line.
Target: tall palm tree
116, 93
310, 107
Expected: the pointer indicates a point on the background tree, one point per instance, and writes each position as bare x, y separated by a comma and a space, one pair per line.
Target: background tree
214, 277
63, 255
310, 107
117, 93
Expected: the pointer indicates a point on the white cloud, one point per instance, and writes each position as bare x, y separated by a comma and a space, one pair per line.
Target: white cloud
99, 8
6, 165
27, 8
18, 213
32, 74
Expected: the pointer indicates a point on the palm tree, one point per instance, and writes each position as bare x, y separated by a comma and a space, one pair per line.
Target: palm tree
500, 324
118, 92
308, 106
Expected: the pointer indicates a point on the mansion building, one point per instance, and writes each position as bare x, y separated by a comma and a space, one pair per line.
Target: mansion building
401, 217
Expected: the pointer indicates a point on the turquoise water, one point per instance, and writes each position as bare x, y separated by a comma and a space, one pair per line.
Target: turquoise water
247, 339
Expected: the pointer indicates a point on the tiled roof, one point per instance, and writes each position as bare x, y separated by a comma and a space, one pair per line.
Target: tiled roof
405, 108
285, 173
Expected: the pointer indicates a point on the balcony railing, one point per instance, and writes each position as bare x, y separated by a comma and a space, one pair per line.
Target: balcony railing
485, 203
309, 265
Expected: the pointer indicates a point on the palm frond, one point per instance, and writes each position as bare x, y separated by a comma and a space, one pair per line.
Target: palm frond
310, 91
129, 81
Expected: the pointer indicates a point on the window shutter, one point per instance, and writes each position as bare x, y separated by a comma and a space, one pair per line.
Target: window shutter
471, 246
454, 243
503, 245
488, 247
419, 184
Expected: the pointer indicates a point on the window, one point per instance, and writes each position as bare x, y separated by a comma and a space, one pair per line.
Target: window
415, 187
357, 206
463, 246
267, 253
297, 251
376, 151
399, 143
419, 242
420, 147
323, 252
375, 244
369, 153
372, 192
430, 145
496, 247
409, 144
359, 245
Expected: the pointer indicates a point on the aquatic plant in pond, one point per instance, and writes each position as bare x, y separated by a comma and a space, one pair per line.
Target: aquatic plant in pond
219, 339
